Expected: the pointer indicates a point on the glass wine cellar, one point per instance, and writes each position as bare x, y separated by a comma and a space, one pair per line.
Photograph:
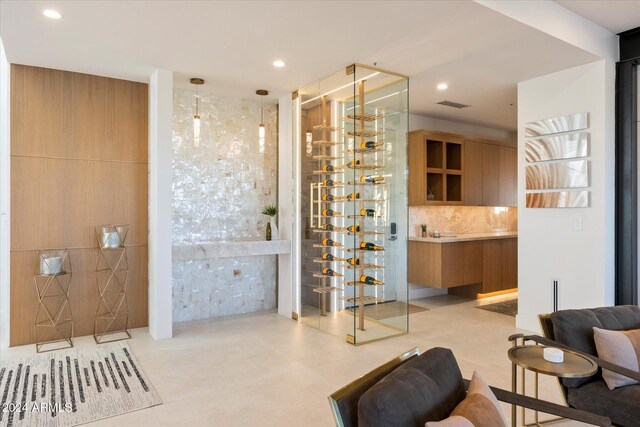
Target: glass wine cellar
350, 133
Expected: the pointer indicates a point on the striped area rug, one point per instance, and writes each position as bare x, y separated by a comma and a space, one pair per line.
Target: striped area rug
73, 386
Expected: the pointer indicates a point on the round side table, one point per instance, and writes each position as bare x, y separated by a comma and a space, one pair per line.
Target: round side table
530, 357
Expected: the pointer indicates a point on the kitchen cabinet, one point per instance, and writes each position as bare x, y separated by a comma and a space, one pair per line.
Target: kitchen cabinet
436, 169
491, 174
500, 265
447, 169
445, 265
492, 263
473, 173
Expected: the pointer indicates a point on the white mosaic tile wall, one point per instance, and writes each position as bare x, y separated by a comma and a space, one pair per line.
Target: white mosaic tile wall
219, 190
223, 287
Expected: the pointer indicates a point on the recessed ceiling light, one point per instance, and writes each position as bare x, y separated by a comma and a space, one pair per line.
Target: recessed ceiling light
278, 63
53, 14
442, 86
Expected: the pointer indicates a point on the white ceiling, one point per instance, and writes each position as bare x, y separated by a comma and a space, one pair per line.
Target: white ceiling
232, 44
614, 15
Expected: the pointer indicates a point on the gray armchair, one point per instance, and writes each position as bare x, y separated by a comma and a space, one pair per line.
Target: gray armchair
573, 329
413, 389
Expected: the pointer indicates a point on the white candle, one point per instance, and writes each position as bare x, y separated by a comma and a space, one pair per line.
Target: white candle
110, 239
554, 355
51, 265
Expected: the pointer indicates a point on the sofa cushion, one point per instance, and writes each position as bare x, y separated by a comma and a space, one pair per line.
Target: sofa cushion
621, 405
479, 409
621, 348
574, 328
427, 388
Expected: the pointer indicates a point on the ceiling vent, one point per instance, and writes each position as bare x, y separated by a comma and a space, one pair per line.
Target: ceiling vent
453, 104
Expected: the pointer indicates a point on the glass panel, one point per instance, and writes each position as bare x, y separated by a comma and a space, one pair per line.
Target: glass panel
353, 204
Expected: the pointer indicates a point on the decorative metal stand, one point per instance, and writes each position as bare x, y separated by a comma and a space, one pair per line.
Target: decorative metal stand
112, 315
53, 322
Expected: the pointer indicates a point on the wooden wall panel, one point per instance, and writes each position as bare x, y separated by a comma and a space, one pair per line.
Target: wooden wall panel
78, 159
40, 123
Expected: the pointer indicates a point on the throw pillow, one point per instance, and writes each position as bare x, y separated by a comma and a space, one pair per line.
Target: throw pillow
479, 409
621, 348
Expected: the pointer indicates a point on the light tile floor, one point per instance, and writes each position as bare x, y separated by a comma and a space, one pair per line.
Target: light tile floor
265, 370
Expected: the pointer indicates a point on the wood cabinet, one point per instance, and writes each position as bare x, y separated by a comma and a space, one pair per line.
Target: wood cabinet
436, 168
491, 174
492, 263
500, 265
438, 265
447, 169
473, 173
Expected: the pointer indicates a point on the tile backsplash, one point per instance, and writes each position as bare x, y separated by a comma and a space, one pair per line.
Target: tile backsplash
463, 219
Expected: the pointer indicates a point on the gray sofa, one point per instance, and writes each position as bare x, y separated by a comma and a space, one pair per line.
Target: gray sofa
574, 329
415, 388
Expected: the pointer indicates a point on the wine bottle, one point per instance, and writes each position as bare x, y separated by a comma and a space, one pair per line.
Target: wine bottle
367, 212
372, 179
329, 272
327, 197
354, 261
332, 227
370, 145
330, 183
353, 228
330, 212
371, 246
331, 257
329, 242
328, 168
353, 196
370, 280
353, 163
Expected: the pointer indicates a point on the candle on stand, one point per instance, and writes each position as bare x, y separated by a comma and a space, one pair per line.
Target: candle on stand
51, 265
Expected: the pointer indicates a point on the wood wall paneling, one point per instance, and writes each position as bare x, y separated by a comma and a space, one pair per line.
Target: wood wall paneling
78, 159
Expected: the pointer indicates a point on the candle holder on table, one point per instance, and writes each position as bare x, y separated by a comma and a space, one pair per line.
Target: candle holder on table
112, 270
53, 322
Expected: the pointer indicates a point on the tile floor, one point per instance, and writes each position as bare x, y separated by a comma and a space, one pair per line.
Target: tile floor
265, 370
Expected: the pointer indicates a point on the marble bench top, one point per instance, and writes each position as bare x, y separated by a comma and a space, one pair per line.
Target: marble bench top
187, 252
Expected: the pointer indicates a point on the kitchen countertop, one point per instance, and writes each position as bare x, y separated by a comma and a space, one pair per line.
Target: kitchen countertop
468, 237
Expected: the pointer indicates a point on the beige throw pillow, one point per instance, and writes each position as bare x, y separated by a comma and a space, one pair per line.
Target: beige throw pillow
621, 348
479, 409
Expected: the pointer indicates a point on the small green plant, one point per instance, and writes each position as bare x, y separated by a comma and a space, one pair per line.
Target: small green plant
270, 210
423, 227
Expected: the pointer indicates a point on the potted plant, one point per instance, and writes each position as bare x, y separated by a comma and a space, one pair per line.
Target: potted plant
272, 231
423, 227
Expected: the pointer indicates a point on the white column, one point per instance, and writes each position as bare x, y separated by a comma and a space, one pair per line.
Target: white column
160, 206
4, 198
287, 217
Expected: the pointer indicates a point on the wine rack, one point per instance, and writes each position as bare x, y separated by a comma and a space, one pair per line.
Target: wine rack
349, 173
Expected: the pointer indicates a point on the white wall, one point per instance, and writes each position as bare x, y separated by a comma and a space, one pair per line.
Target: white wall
287, 272
160, 211
549, 246
417, 122
4, 198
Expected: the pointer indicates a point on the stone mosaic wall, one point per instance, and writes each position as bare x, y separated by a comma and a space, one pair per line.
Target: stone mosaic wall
223, 287
463, 219
219, 190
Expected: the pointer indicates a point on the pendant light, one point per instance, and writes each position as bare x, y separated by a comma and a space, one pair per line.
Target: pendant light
196, 117
261, 129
